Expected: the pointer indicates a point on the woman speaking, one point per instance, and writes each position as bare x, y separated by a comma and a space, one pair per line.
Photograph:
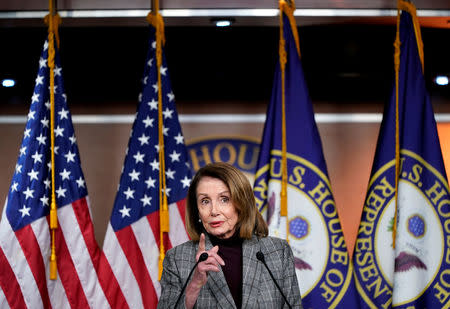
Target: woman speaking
230, 262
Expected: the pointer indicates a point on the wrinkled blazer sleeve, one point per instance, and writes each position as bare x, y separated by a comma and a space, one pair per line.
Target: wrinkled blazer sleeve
176, 267
259, 291
291, 283
280, 260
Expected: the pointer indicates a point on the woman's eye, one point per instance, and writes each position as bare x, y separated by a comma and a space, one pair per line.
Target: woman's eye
204, 202
225, 199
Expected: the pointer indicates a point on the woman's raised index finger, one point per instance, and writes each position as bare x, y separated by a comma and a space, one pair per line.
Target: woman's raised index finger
201, 243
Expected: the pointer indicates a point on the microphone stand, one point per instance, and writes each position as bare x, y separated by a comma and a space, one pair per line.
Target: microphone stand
203, 257
260, 256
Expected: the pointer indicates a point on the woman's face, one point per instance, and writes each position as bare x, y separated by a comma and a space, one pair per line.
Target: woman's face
215, 208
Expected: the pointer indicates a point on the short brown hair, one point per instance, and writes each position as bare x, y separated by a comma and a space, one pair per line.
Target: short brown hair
250, 220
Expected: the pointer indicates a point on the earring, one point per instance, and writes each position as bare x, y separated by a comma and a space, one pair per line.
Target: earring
199, 220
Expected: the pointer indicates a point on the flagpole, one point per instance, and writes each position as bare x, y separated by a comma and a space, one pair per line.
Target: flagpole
411, 9
155, 19
286, 7
402, 6
283, 60
52, 19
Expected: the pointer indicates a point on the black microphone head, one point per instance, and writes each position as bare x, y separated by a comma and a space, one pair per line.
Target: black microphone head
203, 257
260, 256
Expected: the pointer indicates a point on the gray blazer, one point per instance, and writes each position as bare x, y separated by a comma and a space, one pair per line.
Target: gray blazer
258, 288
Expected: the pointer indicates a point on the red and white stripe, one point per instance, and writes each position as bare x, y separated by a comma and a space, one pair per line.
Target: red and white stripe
133, 254
24, 260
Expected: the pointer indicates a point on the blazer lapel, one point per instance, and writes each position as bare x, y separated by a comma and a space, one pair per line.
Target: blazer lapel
251, 271
217, 285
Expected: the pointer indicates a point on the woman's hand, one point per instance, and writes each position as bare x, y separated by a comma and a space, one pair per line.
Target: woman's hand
210, 264
200, 276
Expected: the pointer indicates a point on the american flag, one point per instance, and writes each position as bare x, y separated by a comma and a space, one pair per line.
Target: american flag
133, 236
25, 239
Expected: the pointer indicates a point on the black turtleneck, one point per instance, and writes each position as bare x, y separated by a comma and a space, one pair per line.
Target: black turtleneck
230, 250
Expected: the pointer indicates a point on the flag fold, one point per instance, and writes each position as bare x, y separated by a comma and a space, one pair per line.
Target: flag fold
412, 273
132, 239
25, 239
312, 225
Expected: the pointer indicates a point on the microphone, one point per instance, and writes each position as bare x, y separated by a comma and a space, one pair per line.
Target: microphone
202, 257
260, 256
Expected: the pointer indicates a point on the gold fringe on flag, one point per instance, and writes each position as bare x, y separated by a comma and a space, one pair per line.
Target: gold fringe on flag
288, 9
397, 129
410, 8
52, 20
156, 20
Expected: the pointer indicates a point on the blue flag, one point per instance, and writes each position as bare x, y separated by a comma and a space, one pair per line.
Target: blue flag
414, 274
312, 226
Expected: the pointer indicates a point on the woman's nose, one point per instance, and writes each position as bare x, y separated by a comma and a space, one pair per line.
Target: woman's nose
214, 210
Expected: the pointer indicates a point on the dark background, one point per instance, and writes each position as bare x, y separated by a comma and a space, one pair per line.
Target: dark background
102, 65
